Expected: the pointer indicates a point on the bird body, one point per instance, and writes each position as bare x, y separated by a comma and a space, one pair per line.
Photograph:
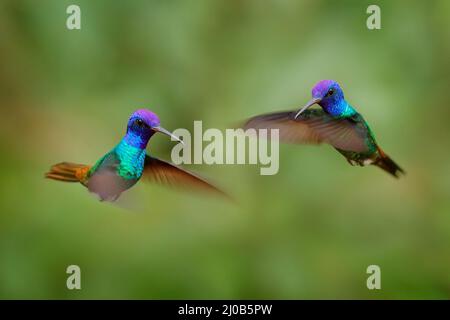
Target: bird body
336, 123
123, 166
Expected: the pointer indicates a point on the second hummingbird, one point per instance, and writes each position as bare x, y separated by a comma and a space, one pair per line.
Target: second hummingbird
336, 123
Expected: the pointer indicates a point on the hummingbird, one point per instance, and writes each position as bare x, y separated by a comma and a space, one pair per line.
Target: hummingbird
128, 162
336, 123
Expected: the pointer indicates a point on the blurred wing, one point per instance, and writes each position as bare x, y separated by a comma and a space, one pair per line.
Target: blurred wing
290, 130
162, 172
314, 126
348, 134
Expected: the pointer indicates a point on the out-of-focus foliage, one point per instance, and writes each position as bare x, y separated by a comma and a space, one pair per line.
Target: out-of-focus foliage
308, 232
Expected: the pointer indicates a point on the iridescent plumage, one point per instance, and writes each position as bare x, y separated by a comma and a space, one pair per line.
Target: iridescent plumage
127, 163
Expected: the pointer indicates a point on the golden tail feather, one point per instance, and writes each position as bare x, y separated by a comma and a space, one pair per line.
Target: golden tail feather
69, 172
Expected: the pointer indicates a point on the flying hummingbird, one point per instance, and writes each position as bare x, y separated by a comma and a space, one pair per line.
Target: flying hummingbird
128, 162
336, 123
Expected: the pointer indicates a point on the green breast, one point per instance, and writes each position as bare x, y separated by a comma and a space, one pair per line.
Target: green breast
131, 161
127, 161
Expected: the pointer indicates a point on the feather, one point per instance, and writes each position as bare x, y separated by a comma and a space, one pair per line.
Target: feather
162, 172
69, 172
315, 126
387, 164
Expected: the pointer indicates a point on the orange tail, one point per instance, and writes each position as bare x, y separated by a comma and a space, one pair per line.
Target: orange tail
388, 165
69, 172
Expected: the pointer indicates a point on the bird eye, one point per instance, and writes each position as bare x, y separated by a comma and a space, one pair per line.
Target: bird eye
330, 92
139, 122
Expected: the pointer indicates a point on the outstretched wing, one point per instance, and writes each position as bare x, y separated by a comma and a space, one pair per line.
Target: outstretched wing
314, 126
162, 172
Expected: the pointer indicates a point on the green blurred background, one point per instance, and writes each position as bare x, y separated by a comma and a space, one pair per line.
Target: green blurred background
308, 232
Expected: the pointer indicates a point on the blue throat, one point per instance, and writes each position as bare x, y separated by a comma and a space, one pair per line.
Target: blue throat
338, 108
131, 152
137, 140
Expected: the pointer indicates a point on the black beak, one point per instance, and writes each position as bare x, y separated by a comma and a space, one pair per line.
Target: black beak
309, 104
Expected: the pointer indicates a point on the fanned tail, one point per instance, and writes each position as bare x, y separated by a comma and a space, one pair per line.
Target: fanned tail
69, 172
388, 165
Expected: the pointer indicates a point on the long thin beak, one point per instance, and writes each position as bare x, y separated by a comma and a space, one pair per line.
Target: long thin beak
167, 132
309, 104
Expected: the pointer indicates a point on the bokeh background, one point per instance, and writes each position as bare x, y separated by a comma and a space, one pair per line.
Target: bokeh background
308, 232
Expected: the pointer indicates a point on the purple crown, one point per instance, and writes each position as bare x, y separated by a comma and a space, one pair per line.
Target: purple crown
321, 88
150, 118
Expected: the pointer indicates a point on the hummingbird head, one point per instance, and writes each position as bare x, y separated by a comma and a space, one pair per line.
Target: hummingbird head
329, 95
142, 125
